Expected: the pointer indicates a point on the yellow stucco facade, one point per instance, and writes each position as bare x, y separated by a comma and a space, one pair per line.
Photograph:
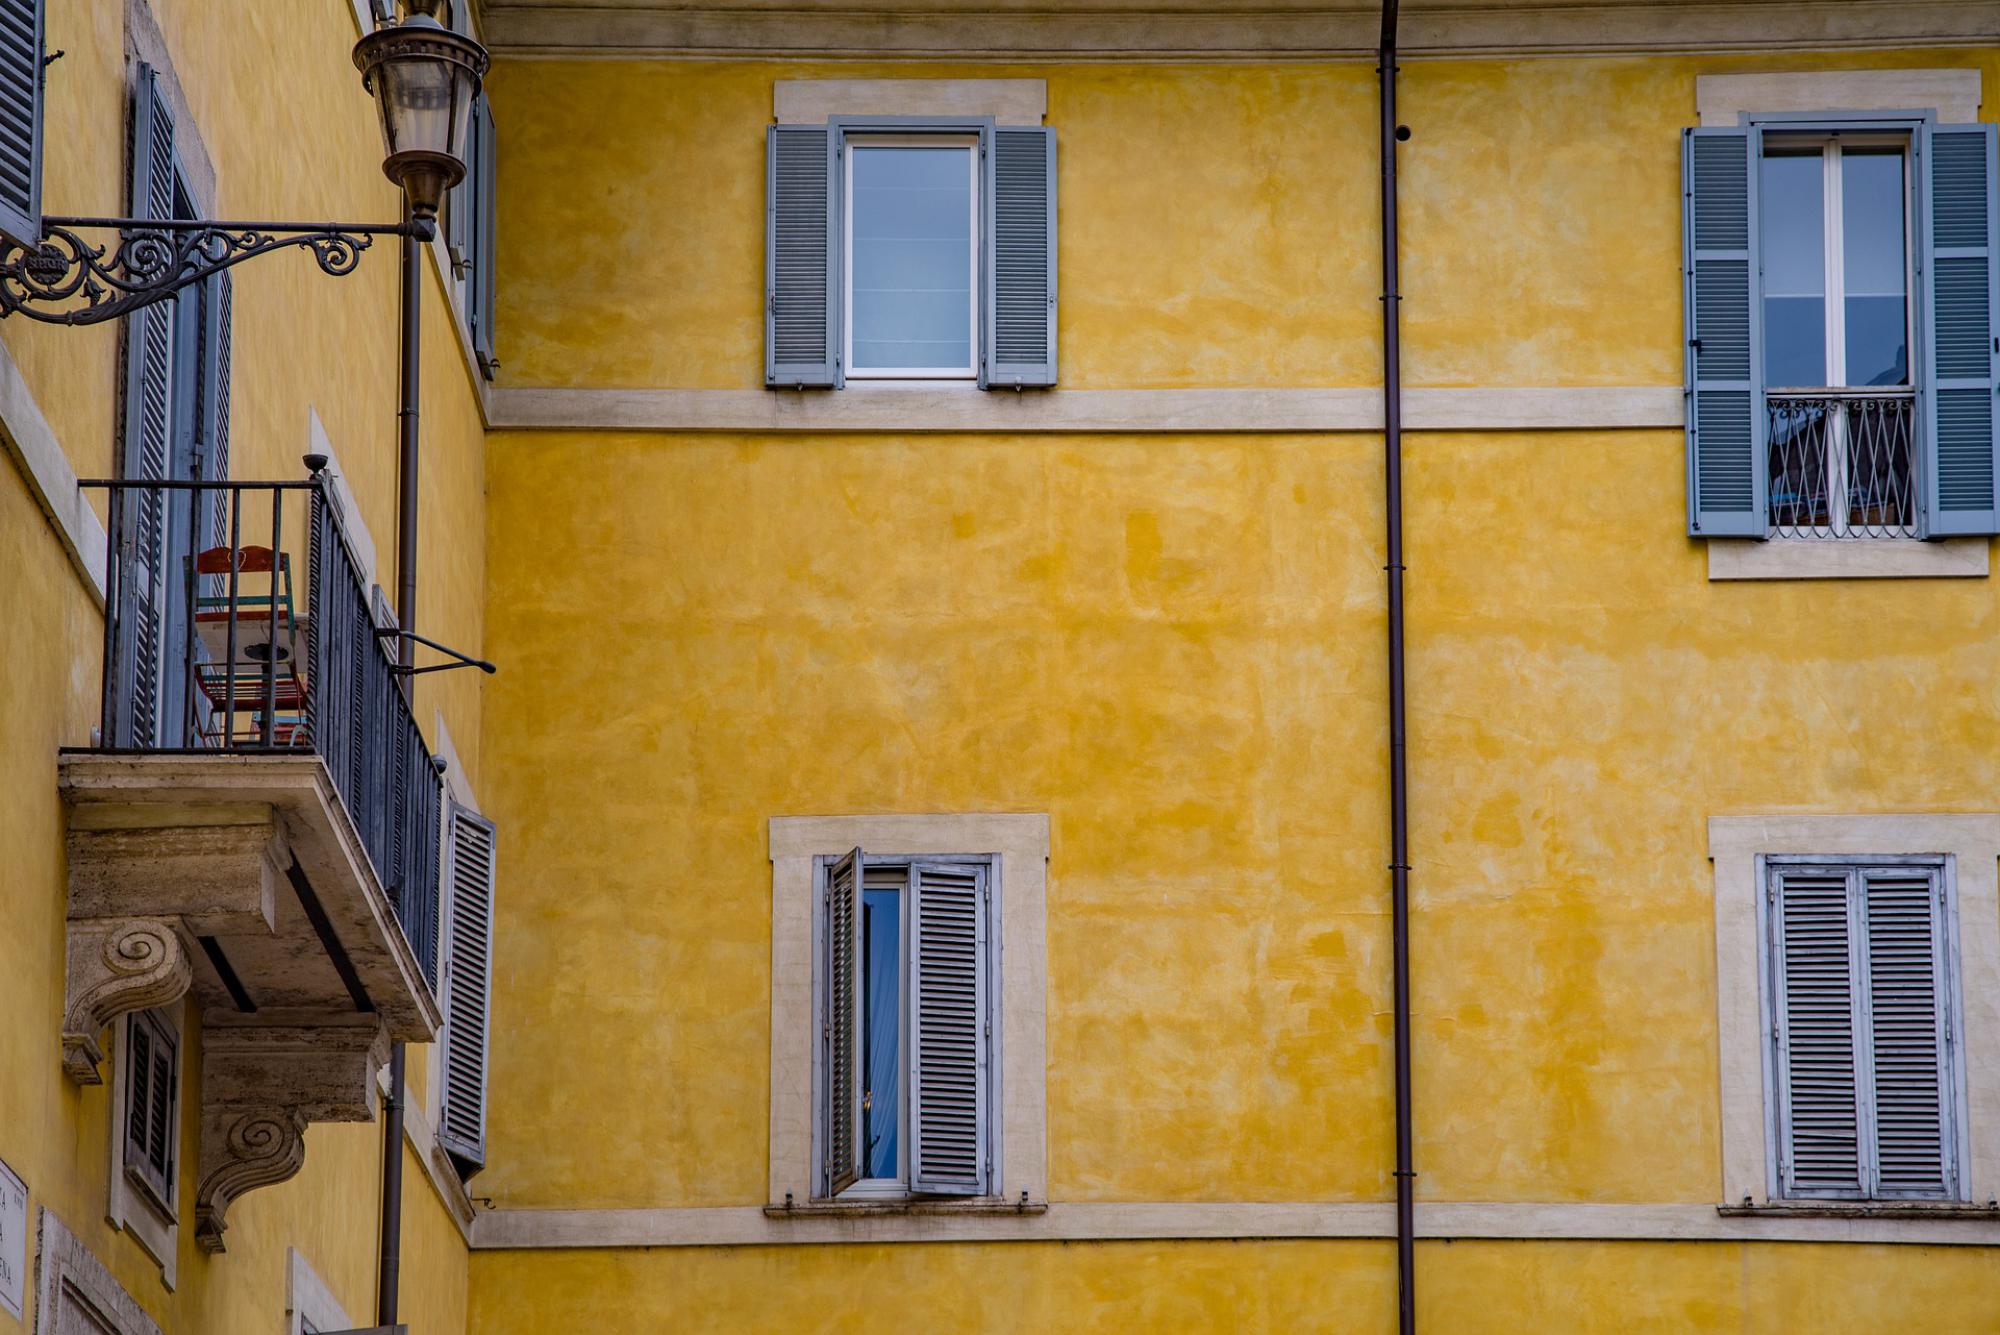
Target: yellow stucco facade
1168, 641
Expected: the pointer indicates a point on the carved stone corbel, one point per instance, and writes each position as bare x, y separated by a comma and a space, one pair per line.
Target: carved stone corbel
263, 1081
116, 965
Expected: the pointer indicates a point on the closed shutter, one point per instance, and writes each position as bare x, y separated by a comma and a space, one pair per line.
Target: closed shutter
950, 1029
801, 275
1726, 431
1021, 258
485, 241
840, 1025
1817, 1008
467, 985
148, 437
152, 1084
21, 120
1909, 1033
1960, 228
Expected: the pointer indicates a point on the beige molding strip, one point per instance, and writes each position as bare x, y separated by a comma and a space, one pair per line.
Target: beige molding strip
1723, 99
750, 1226
1853, 558
1297, 30
31, 442
1193, 411
812, 101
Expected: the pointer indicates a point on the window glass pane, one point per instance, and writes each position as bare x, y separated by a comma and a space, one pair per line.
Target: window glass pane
1793, 236
911, 303
1871, 217
881, 1016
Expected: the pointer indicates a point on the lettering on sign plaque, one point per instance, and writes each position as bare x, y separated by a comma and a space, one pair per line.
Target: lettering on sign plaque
13, 1240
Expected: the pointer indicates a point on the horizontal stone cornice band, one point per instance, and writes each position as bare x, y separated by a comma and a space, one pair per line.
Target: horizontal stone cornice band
1108, 411
753, 1225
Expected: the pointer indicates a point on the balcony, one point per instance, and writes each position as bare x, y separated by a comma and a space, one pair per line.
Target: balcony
1842, 463
257, 823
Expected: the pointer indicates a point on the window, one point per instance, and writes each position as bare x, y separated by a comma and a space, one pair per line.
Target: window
21, 121
910, 248
1863, 1064
911, 257
466, 985
905, 994
1840, 295
152, 1107
469, 220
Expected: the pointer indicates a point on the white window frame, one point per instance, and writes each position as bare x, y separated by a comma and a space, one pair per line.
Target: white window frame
1020, 1132
310, 1306
1769, 866
858, 138
1735, 845
129, 1206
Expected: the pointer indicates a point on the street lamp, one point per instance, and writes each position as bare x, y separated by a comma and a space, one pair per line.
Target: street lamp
424, 78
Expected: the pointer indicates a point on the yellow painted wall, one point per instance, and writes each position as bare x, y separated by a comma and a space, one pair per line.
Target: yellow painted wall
291, 134
1173, 645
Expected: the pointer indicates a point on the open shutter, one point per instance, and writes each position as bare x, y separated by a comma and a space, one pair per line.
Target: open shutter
840, 1025
486, 146
148, 437
1817, 1004
1726, 430
950, 1029
801, 273
1020, 259
466, 981
217, 314
1908, 1034
459, 202
1961, 365
21, 120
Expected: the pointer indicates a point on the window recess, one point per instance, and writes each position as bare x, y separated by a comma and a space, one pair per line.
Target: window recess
1841, 361
152, 1107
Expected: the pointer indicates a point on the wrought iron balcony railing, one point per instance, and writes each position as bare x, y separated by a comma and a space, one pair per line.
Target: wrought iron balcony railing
1842, 464
221, 640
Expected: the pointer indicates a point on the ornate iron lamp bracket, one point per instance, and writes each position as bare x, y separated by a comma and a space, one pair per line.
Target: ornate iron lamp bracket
152, 260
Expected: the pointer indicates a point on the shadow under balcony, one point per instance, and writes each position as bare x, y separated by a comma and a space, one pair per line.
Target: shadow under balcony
257, 825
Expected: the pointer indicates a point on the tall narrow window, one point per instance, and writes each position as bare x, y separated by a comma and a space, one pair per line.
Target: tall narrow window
912, 257
152, 1110
1834, 240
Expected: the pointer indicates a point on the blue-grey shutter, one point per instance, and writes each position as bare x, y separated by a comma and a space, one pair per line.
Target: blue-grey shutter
1020, 259
840, 1025
1726, 431
486, 147
21, 120
1960, 361
466, 980
148, 437
950, 1030
217, 313
459, 202
1816, 1005
1908, 1029
801, 270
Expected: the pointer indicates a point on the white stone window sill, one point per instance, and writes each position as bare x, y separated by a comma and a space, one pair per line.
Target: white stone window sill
1853, 558
863, 1208
1804, 1209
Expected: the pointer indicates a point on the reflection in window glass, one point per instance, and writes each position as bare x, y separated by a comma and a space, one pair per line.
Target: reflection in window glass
1793, 238
881, 1028
911, 242
1871, 207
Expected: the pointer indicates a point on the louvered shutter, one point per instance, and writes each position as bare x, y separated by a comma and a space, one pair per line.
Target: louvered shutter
1817, 1008
485, 224
840, 1025
801, 273
467, 984
1960, 362
152, 1084
21, 120
1020, 258
148, 438
1726, 430
1908, 1034
459, 202
217, 314
950, 1030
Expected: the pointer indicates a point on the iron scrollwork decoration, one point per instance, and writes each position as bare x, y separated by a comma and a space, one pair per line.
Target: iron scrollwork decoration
150, 261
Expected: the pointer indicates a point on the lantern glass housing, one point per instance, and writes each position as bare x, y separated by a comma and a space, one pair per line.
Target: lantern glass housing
424, 78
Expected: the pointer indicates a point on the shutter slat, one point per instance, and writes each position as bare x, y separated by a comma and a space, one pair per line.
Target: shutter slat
1021, 258
840, 1049
1727, 482
949, 1045
1960, 365
1907, 1033
21, 120
467, 974
1816, 1003
801, 307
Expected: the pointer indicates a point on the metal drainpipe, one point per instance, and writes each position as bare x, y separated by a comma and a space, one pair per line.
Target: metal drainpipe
389, 1276
1399, 789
